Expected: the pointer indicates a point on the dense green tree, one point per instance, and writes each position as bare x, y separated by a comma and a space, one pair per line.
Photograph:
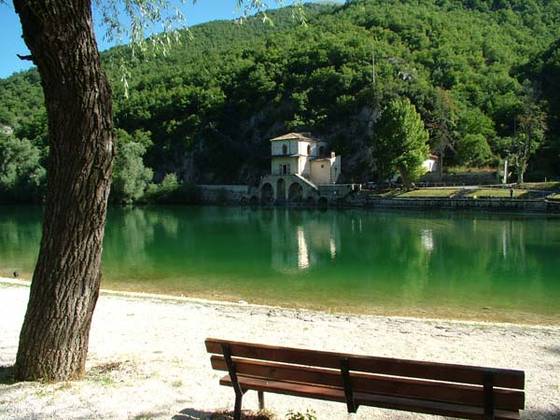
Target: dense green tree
401, 141
530, 130
130, 176
442, 126
544, 70
22, 178
473, 150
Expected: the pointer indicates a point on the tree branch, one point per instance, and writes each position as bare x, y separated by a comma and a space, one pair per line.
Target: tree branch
25, 57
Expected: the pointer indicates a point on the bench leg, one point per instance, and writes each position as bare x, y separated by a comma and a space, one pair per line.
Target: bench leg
261, 400
237, 410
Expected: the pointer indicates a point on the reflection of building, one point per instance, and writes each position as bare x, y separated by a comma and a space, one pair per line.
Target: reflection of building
299, 165
298, 244
427, 239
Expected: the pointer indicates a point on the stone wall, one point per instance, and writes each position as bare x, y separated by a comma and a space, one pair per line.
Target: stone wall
487, 204
218, 194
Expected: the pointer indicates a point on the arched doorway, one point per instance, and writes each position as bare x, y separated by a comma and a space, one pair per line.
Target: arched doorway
295, 193
267, 193
310, 201
281, 190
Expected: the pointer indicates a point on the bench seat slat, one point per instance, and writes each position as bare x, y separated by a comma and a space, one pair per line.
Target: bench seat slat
372, 400
364, 382
504, 378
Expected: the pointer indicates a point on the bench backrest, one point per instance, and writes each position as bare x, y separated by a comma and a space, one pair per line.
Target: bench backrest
379, 375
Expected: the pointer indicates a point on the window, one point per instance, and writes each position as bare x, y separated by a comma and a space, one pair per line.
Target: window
308, 150
321, 150
284, 149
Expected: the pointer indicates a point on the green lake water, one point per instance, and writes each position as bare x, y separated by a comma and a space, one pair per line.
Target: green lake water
445, 265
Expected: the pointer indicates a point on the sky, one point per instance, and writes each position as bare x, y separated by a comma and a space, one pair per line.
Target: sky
11, 42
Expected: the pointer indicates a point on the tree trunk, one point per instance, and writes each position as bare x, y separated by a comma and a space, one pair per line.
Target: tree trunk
405, 178
54, 338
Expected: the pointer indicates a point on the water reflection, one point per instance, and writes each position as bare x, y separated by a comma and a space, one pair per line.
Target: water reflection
332, 259
427, 238
300, 241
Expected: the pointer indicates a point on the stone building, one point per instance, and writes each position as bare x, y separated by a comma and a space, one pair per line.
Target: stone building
299, 165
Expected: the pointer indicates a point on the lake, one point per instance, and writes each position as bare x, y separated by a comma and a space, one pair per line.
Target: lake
438, 264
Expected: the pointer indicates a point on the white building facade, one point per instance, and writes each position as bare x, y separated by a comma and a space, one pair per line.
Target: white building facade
300, 154
299, 165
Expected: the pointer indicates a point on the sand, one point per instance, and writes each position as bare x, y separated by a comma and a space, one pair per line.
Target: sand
147, 357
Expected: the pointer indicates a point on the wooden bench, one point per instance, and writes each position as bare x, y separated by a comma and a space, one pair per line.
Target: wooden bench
422, 387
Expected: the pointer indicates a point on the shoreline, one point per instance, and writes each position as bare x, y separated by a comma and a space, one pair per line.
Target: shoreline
163, 297
147, 357
490, 206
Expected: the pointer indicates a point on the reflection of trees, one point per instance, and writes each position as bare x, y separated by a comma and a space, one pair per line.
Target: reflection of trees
20, 234
407, 259
333, 258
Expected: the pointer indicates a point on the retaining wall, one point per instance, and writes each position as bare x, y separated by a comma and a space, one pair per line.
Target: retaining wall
223, 193
487, 204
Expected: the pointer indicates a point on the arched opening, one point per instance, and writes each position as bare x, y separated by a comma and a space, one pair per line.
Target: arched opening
284, 149
310, 201
281, 190
295, 193
267, 193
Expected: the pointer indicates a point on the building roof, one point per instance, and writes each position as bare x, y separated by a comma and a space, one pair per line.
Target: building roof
294, 155
296, 136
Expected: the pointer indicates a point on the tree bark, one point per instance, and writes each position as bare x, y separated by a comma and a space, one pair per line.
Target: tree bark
54, 338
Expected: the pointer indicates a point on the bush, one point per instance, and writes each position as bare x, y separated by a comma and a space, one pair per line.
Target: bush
171, 191
296, 415
22, 178
130, 176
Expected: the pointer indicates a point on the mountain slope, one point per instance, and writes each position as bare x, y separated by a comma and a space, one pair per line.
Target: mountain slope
213, 102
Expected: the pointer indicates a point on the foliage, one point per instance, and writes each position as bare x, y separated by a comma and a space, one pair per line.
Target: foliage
296, 415
529, 133
544, 71
213, 100
130, 176
22, 178
474, 150
401, 142
171, 191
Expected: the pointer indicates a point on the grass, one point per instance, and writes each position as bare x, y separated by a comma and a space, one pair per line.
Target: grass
457, 192
496, 193
105, 374
430, 192
177, 383
546, 186
245, 415
453, 170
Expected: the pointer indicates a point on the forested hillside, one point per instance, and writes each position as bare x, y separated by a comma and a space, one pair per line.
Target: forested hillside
477, 71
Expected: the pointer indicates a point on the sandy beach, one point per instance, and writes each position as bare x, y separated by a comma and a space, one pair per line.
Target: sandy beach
147, 357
